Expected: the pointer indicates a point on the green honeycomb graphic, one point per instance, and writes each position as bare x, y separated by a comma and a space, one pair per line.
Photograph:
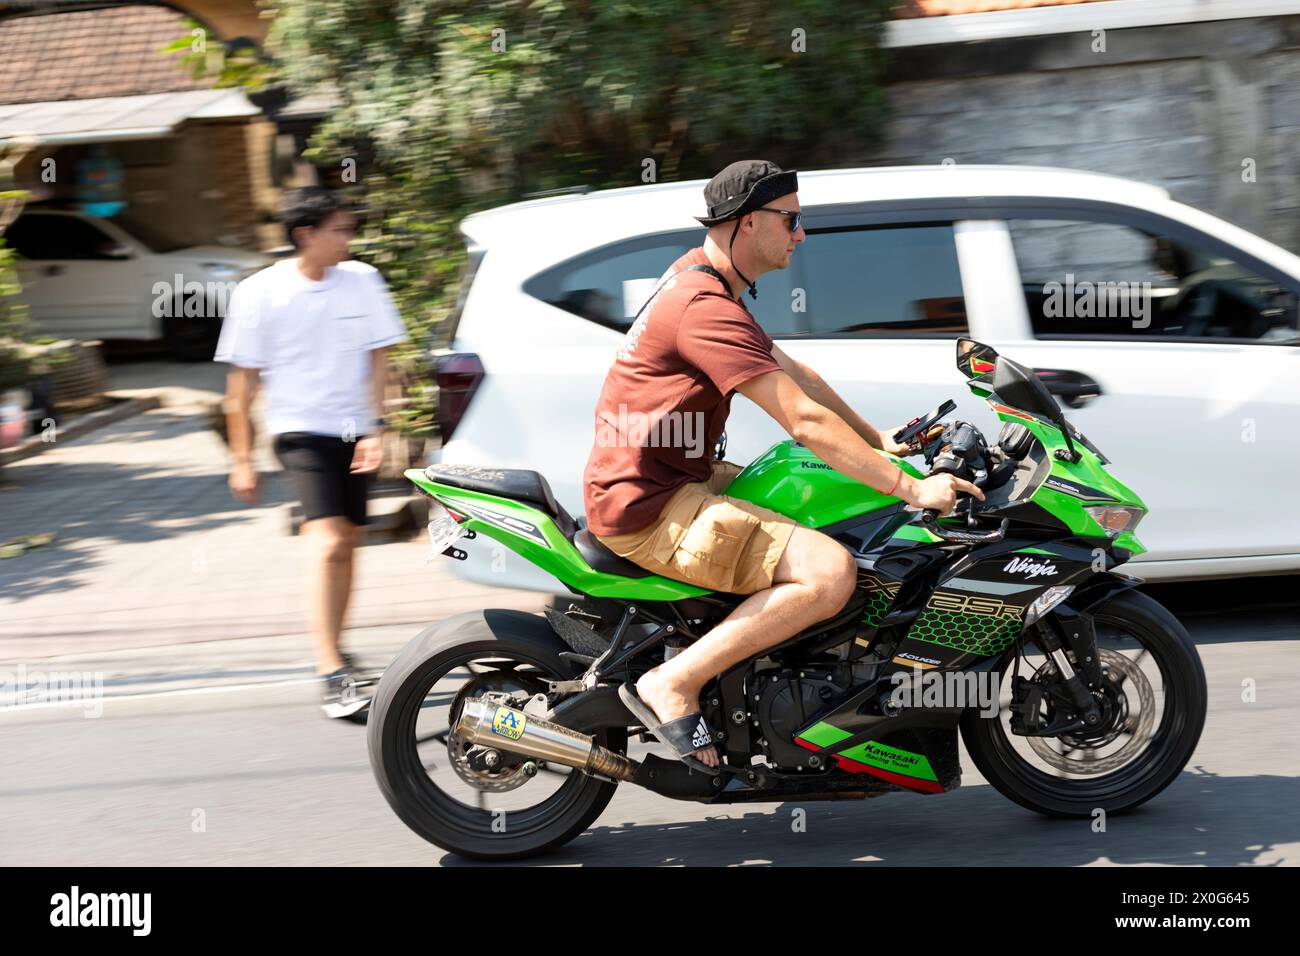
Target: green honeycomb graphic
877, 604
972, 633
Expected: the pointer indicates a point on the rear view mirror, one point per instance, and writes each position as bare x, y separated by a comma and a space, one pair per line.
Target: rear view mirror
975, 359
1021, 388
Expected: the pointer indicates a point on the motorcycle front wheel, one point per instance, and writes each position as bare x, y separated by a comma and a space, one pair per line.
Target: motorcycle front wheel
1157, 699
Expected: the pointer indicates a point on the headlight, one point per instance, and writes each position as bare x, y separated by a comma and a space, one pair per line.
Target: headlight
1115, 518
221, 270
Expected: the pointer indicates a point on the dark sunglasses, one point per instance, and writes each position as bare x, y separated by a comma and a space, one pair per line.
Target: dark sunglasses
794, 217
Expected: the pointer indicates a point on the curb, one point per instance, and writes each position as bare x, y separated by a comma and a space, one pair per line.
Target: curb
83, 424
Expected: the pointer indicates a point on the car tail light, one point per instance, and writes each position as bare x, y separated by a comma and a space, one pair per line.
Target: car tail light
457, 376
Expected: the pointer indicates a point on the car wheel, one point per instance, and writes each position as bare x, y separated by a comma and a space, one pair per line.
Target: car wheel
191, 338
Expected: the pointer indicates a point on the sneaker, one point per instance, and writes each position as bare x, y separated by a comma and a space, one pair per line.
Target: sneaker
347, 693
354, 663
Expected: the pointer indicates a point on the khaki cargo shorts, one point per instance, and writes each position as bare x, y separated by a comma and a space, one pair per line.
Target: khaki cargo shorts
707, 539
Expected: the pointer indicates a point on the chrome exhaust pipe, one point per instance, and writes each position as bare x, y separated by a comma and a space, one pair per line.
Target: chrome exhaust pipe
505, 728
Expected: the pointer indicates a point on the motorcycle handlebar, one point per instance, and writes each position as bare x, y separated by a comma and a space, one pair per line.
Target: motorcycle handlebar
930, 521
929, 518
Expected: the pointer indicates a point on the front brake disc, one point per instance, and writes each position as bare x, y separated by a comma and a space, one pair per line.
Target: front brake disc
1121, 672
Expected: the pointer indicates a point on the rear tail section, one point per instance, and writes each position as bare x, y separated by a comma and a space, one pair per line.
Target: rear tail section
521, 514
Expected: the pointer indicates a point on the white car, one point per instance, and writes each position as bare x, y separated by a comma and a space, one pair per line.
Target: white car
1169, 335
88, 278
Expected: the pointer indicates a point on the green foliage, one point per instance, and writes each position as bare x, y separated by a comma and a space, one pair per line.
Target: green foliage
454, 106
13, 314
205, 55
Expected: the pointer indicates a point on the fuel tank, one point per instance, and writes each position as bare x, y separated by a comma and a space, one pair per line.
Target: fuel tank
790, 479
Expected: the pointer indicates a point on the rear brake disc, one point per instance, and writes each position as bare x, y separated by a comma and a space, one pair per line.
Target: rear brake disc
510, 773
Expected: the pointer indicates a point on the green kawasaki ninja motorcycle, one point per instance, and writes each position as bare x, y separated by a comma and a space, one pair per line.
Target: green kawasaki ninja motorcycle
500, 734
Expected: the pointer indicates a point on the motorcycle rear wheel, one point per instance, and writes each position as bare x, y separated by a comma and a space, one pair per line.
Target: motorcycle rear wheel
478, 831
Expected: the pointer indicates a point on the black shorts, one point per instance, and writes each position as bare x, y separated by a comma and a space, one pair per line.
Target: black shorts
318, 467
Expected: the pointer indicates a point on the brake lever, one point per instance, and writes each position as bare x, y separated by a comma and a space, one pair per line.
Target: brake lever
930, 520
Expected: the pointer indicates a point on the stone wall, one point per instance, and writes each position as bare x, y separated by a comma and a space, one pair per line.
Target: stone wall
210, 183
1181, 106
243, 177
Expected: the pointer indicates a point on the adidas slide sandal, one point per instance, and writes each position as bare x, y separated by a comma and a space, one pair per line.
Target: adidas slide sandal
684, 735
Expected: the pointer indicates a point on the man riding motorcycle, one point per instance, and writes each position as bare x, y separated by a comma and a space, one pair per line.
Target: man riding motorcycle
660, 504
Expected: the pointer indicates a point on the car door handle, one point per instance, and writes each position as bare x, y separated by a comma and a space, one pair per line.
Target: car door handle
1074, 389
52, 270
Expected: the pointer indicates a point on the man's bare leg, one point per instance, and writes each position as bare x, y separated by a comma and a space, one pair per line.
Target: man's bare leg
813, 581
329, 585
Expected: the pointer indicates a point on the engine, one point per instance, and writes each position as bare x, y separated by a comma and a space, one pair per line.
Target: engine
788, 702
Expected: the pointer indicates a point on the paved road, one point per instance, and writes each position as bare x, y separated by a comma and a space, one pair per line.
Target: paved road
277, 784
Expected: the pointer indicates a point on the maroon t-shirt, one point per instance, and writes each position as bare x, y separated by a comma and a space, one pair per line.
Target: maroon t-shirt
666, 397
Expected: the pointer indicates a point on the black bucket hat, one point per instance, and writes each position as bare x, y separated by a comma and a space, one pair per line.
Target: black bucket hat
744, 186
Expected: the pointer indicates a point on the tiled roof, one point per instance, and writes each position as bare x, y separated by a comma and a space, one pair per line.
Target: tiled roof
909, 9
92, 53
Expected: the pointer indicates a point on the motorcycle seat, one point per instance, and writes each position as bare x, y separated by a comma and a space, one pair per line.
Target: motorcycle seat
516, 483
603, 559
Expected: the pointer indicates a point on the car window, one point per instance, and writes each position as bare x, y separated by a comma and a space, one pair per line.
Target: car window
37, 236
892, 281
32, 237
468, 272
608, 286
1084, 279
78, 239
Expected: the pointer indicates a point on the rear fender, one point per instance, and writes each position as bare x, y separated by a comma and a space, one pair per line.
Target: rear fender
534, 536
501, 624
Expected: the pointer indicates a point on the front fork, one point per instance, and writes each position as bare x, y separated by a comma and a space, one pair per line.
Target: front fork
1071, 694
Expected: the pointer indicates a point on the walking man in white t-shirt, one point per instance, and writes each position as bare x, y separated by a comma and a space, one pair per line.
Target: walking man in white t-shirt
315, 329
